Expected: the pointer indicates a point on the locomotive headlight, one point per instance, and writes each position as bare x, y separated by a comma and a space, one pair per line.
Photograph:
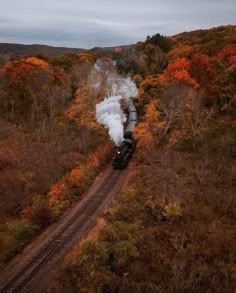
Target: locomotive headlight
118, 153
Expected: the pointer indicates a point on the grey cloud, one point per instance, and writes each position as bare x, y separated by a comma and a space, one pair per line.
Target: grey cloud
77, 23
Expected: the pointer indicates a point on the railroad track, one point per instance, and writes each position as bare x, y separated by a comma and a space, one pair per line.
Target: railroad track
78, 222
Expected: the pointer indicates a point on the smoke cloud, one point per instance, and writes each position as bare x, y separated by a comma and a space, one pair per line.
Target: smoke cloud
109, 112
124, 87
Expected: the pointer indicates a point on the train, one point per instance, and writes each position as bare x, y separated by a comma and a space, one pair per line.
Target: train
127, 147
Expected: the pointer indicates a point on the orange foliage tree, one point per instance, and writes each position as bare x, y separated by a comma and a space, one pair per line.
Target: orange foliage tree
180, 52
152, 126
37, 62
178, 73
86, 57
150, 89
144, 136
32, 89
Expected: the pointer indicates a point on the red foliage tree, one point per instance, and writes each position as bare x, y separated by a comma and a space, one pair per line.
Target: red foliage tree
203, 72
227, 56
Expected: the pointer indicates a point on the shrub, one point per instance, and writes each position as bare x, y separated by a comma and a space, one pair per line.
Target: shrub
42, 216
23, 231
59, 207
20, 234
173, 210
59, 191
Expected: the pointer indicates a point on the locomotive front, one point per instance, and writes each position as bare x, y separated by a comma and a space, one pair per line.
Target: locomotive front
126, 149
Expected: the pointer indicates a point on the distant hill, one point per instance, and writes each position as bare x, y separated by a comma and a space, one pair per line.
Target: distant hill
23, 50
207, 41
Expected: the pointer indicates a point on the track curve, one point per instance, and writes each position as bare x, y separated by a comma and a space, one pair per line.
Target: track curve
80, 221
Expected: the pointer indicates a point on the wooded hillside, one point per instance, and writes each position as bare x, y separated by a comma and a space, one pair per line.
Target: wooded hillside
173, 227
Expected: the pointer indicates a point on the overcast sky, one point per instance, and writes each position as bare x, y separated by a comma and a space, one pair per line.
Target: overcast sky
89, 23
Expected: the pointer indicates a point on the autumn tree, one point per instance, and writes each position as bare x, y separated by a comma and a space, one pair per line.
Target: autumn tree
194, 119
82, 111
171, 104
87, 57
150, 89
203, 72
178, 72
149, 130
131, 60
227, 56
63, 61
182, 51
156, 61
32, 89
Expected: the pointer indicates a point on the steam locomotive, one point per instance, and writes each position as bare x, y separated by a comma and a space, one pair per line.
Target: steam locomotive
126, 149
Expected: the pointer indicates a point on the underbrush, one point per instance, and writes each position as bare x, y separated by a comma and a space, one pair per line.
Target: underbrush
217, 137
172, 230
20, 234
42, 173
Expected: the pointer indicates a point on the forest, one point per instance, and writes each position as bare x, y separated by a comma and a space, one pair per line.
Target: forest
172, 229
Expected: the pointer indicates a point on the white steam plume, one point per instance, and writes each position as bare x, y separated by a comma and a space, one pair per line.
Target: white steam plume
123, 86
110, 114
